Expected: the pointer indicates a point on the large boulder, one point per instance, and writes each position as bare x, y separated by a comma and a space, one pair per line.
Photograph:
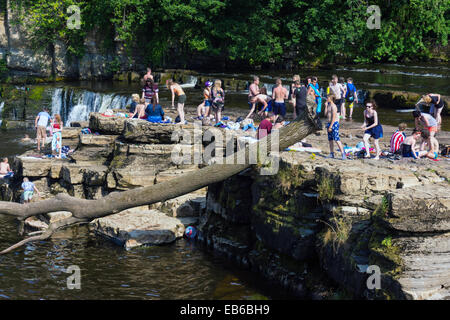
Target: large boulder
136, 228
106, 125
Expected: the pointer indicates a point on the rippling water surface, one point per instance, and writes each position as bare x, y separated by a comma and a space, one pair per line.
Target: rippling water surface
177, 271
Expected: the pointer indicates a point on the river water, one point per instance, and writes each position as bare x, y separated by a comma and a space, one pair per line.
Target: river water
181, 270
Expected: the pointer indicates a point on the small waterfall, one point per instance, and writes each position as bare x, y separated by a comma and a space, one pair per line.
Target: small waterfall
74, 105
190, 82
1, 110
57, 101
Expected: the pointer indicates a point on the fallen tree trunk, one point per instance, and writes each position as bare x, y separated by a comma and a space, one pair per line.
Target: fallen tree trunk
87, 210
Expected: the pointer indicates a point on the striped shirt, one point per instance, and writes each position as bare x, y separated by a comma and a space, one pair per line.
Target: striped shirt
396, 140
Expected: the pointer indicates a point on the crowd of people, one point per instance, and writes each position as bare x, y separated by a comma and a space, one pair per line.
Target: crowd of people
336, 102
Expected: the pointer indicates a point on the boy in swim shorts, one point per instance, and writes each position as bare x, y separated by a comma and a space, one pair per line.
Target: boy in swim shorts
333, 126
28, 190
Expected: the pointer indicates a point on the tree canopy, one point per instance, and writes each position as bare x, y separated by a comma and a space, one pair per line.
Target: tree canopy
255, 32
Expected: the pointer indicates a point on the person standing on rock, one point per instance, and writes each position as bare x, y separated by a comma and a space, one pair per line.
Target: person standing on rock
291, 97
351, 96
300, 94
253, 91
437, 105
176, 90
427, 121
150, 92
316, 89
57, 126
203, 108
372, 128
40, 124
336, 89
218, 100
333, 126
279, 94
148, 75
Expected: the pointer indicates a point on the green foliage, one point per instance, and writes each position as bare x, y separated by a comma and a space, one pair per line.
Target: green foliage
251, 31
36, 93
326, 189
3, 68
114, 65
387, 242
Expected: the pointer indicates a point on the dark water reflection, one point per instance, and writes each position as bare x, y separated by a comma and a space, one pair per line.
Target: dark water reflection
178, 271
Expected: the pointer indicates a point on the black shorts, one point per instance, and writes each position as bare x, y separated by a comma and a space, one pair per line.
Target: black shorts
339, 103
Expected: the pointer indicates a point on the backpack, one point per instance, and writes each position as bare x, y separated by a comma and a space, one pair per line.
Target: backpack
350, 96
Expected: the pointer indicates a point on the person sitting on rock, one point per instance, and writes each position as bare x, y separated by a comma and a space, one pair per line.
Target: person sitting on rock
155, 113
265, 127
409, 147
431, 144
135, 101
28, 190
398, 137
139, 113
5, 169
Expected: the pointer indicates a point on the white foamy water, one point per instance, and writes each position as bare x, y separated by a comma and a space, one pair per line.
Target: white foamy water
1, 110
190, 83
77, 105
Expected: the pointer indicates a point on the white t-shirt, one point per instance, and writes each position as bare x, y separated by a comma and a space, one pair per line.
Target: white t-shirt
44, 117
337, 90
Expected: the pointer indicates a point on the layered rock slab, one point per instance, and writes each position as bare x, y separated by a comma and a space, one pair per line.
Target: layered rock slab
133, 228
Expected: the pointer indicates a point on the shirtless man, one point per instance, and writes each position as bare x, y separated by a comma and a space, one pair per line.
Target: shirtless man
148, 75
432, 144
279, 94
253, 91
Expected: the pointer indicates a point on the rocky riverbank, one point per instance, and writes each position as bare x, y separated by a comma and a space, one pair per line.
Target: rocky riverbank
317, 221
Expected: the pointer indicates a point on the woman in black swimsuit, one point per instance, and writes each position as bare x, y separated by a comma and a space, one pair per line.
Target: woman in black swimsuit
372, 128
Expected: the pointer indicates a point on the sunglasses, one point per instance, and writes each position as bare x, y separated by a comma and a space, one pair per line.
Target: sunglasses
368, 106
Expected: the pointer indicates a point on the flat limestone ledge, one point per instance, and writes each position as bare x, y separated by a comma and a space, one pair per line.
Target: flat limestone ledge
136, 228
421, 209
70, 133
426, 274
366, 177
97, 140
38, 167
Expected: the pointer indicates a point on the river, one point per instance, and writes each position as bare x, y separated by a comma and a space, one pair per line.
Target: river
181, 270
